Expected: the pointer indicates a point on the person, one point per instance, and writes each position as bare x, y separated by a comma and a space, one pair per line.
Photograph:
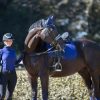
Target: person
8, 77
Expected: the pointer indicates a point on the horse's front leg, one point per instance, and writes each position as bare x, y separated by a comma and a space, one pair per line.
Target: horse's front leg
44, 84
33, 82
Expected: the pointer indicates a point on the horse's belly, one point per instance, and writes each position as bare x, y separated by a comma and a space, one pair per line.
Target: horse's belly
69, 68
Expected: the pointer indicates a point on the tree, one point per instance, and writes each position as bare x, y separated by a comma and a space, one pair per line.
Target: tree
94, 20
16, 16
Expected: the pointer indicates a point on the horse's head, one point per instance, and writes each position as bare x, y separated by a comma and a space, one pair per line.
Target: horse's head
50, 35
41, 30
49, 31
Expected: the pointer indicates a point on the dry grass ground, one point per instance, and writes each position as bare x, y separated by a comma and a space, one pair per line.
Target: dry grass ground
70, 88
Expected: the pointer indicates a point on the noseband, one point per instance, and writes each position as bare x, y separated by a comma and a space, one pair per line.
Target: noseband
54, 42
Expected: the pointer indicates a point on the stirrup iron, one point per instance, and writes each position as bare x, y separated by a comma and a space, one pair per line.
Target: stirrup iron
58, 66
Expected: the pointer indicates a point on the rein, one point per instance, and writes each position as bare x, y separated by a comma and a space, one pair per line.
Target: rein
54, 42
49, 51
43, 53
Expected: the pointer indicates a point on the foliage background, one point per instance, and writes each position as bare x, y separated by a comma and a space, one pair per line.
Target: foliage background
64, 88
78, 17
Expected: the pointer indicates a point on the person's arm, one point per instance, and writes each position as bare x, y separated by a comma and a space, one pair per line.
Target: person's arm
0, 60
0, 55
19, 58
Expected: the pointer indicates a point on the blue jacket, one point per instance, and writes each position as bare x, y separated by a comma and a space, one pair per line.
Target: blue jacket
8, 56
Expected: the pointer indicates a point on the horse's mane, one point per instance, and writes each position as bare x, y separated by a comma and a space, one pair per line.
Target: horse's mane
39, 23
41, 46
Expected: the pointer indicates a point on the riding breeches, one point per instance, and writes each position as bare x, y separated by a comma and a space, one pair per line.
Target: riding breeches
7, 82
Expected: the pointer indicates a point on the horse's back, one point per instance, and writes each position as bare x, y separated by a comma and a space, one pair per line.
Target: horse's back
91, 51
86, 44
88, 56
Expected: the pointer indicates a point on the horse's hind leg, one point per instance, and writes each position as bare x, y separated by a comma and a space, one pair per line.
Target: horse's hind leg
96, 83
33, 82
87, 79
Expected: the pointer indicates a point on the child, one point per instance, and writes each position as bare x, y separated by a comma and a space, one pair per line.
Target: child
8, 76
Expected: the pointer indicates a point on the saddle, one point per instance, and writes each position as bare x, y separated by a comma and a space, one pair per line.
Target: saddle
68, 52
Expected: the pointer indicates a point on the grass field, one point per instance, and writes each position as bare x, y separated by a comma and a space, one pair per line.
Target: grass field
65, 88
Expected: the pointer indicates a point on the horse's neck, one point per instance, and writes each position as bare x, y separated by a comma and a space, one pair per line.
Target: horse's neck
31, 44
39, 47
28, 50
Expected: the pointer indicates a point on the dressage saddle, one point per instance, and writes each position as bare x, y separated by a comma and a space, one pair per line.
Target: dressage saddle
65, 49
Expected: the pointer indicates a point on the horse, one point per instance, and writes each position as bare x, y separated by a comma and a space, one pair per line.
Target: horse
37, 60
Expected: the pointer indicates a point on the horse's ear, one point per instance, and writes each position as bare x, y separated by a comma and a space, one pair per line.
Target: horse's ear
51, 18
50, 21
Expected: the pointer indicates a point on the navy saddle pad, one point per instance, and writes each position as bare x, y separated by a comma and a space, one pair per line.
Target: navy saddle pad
70, 52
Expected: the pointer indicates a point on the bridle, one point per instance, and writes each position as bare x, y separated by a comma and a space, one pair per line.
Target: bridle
54, 45
48, 51
52, 49
54, 42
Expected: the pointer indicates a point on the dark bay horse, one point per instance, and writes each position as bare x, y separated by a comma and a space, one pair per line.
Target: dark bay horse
87, 64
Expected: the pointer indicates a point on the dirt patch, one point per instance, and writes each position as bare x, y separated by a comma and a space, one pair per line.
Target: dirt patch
70, 88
